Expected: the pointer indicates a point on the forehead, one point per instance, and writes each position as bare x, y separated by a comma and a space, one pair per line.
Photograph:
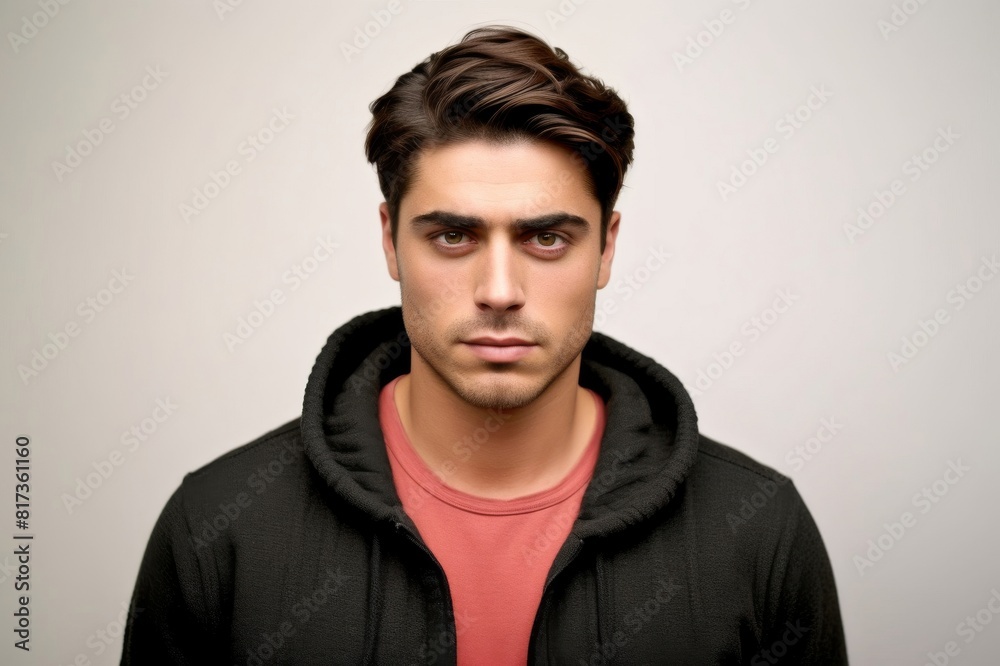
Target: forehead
509, 178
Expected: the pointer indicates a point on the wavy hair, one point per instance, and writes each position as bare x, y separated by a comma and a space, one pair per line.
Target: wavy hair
502, 85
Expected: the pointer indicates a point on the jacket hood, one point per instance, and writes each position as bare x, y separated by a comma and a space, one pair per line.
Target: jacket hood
649, 445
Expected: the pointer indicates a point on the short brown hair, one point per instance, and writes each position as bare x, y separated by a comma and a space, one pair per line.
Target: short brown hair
500, 84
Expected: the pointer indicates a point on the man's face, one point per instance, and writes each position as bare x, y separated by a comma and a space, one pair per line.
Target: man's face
467, 271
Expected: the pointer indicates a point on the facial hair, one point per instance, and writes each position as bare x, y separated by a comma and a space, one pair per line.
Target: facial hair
498, 386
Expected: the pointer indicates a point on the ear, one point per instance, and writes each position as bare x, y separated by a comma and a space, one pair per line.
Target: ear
387, 245
609, 250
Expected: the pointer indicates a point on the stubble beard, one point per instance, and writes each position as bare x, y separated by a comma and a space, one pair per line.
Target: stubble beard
497, 386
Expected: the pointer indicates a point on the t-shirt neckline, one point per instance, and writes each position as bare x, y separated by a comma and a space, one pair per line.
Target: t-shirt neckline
401, 448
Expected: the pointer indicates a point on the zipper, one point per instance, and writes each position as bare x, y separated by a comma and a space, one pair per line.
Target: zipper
449, 611
574, 549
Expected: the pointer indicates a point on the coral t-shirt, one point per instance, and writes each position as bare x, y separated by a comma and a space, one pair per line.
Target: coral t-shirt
496, 553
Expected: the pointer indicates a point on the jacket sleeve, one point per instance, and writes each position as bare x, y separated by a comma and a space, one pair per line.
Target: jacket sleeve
802, 614
168, 621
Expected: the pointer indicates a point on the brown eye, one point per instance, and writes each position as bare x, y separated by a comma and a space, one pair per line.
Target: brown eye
551, 238
453, 234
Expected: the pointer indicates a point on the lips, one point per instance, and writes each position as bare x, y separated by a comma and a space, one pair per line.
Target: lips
499, 342
500, 350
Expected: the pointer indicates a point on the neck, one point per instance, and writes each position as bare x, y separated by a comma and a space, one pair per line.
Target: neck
499, 454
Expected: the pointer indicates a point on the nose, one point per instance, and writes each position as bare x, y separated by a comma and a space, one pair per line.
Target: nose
498, 279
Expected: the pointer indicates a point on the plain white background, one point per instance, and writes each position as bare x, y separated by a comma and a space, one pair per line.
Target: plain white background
80, 203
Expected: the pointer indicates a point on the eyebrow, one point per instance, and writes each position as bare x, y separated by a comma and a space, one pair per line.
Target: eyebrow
520, 225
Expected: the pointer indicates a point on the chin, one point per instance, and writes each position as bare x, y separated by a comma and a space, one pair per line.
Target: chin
499, 397
498, 387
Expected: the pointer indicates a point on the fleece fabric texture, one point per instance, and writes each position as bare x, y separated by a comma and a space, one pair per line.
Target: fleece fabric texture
295, 548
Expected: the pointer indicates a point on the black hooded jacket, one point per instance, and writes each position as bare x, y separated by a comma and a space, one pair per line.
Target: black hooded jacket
295, 549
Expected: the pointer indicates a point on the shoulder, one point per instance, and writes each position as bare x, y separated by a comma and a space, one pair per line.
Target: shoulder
764, 540
275, 459
254, 451
735, 465
742, 492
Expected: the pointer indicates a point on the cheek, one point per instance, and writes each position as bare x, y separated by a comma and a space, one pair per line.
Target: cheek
564, 298
575, 283
433, 295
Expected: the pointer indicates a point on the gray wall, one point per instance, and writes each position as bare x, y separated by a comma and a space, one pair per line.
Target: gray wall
836, 365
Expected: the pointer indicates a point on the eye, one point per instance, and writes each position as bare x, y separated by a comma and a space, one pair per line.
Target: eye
450, 236
549, 239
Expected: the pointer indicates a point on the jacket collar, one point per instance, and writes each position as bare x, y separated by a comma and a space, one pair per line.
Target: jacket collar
650, 438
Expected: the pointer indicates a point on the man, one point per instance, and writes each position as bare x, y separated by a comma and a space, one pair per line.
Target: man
477, 477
